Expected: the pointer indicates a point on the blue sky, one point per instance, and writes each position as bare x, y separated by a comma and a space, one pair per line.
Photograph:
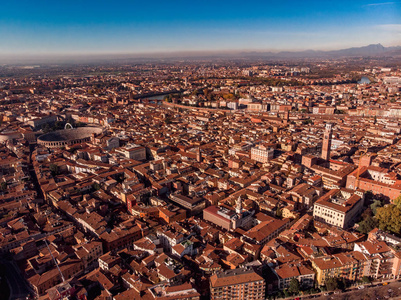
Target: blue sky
82, 27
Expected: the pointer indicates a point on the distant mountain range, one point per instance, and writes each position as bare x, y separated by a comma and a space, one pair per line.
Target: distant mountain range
366, 51
373, 51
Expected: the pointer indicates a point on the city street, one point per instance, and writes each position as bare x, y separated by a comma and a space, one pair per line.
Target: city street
16, 282
376, 291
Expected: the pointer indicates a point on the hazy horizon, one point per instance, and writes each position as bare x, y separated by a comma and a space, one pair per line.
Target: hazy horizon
90, 57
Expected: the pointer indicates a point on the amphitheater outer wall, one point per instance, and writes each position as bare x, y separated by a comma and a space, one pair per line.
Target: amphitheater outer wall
68, 137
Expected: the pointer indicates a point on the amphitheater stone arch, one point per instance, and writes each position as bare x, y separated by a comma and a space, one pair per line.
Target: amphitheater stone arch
68, 124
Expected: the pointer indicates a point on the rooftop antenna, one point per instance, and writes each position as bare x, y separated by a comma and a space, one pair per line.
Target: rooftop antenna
55, 262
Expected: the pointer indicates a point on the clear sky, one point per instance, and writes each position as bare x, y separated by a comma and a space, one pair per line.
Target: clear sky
88, 26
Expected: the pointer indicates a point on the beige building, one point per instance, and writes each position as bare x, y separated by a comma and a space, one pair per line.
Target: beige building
339, 207
298, 270
237, 284
350, 265
382, 260
262, 154
133, 151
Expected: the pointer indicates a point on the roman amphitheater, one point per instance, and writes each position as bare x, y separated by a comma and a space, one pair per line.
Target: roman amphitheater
62, 138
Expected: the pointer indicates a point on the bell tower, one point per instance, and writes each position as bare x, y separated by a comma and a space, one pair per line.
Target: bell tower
326, 142
238, 208
198, 155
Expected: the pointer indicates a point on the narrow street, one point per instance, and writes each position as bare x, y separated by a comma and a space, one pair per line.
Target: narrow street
19, 288
32, 173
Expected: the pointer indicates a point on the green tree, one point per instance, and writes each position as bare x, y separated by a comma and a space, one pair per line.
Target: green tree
397, 201
375, 205
286, 293
369, 196
331, 283
366, 213
367, 225
389, 218
365, 279
294, 286
341, 283
3, 186
54, 169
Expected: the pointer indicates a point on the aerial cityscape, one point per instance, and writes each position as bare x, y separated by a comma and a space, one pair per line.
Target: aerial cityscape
159, 152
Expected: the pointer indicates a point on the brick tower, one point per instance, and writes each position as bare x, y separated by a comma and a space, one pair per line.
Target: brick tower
198, 155
326, 142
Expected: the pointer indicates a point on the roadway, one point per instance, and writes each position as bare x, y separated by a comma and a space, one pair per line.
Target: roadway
19, 288
390, 289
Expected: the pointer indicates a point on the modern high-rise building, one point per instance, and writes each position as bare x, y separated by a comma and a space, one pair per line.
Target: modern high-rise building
326, 142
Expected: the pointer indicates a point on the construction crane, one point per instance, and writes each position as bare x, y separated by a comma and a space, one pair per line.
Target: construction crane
55, 262
64, 289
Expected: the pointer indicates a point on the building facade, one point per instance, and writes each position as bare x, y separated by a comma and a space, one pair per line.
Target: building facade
326, 142
238, 284
262, 154
339, 207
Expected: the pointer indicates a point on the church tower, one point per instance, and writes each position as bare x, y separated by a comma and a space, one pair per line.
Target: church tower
286, 117
198, 155
238, 208
326, 142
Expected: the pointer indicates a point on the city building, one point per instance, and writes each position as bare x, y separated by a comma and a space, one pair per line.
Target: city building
295, 270
133, 151
326, 147
227, 218
339, 207
238, 284
375, 179
350, 266
262, 153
